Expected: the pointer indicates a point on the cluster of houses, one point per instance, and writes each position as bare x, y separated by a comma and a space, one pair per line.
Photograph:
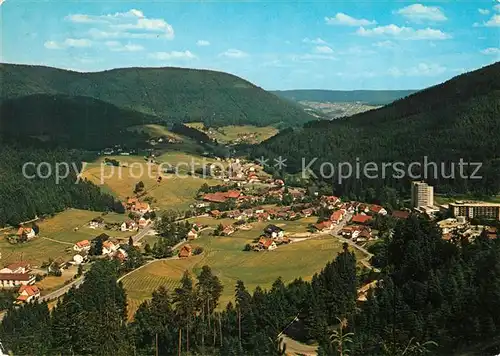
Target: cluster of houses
110, 248
272, 237
17, 275
461, 227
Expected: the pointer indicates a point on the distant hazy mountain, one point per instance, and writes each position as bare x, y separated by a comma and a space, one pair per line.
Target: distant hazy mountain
368, 97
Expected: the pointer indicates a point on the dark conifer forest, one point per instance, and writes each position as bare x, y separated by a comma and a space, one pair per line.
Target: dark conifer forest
453, 121
25, 193
430, 297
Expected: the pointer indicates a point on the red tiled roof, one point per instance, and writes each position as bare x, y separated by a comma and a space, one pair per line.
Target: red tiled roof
15, 277
376, 208
215, 197
83, 243
233, 194
14, 266
323, 225
30, 290
361, 219
400, 214
336, 215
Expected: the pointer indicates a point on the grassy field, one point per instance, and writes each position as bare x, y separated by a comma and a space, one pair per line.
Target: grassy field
173, 192
227, 134
227, 259
57, 236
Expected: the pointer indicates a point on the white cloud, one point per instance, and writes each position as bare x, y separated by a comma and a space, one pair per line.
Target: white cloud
483, 11
174, 55
384, 44
310, 58
202, 43
404, 33
77, 42
68, 42
419, 13
491, 51
420, 70
323, 49
234, 53
317, 41
346, 20
493, 22
497, 7
130, 24
117, 46
52, 45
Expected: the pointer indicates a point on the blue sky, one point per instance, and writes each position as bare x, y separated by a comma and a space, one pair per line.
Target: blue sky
276, 45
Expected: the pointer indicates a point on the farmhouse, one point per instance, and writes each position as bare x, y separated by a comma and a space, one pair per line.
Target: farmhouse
109, 248
324, 226
27, 293
186, 251
274, 231
121, 255
19, 267
10, 280
307, 212
337, 216
26, 232
143, 222
363, 236
228, 230
192, 234
350, 232
267, 244
83, 245
377, 209
361, 219
215, 214
129, 225
330, 201
141, 208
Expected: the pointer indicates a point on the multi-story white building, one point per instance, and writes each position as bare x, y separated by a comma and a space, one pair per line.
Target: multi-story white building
422, 194
474, 209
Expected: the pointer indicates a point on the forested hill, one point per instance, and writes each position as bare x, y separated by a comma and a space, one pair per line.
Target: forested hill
171, 94
25, 194
369, 97
457, 119
80, 122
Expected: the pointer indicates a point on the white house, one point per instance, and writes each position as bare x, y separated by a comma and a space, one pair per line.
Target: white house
192, 234
18, 267
128, 225
109, 248
27, 294
93, 224
10, 280
28, 232
81, 246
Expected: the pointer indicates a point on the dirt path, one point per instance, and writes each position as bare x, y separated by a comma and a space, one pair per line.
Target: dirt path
60, 242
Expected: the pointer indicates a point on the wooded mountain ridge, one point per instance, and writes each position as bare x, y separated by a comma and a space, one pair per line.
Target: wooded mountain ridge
458, 119
171, 95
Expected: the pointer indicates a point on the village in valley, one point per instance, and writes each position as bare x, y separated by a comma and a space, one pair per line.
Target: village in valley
238, 215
